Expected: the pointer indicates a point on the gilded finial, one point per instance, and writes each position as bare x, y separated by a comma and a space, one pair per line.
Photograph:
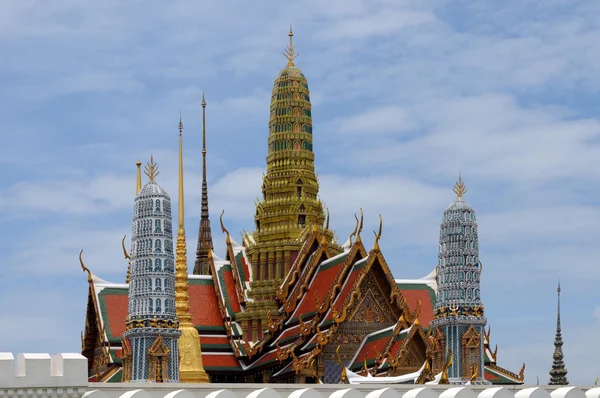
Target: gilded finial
203, 101
327, 221
339, 360
84, 268
522, 372
459, 188
151, 169
290, 51
378, 235
223, 229
596, 382
127, 256
181, 124
360, 227
444, 378
355, 229
138, 185
473, 373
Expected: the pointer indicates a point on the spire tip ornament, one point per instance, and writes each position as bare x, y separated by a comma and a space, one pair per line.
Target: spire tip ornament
290, 51
459, 188
151, 169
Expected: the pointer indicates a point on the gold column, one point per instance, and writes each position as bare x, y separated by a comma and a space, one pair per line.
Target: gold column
190, 353
138, 185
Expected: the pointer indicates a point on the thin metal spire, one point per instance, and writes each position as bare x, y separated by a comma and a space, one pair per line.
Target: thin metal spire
558, 374
205, 242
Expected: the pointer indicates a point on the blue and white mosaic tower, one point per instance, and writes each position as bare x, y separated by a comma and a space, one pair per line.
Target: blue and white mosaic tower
458, 320
150, 341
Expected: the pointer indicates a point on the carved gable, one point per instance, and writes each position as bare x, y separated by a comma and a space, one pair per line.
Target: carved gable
372, 307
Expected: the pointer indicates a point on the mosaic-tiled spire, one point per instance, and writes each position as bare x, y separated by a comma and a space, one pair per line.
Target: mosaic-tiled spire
152, 325
205, 242
558, 374
458, 308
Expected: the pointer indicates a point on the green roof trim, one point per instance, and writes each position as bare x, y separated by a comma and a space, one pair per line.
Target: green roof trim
117, 377
224, 293
201, 282
240, 267
336, 261
501, 379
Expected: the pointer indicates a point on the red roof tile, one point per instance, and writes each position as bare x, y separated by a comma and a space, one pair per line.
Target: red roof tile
214, 340
413, 296
203, 304
116, 313
219, 361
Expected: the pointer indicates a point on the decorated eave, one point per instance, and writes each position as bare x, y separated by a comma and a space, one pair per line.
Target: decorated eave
314, 299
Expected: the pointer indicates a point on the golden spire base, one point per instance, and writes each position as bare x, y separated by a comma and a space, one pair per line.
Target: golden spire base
191, 369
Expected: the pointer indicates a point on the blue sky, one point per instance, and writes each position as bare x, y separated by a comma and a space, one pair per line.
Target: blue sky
405, 94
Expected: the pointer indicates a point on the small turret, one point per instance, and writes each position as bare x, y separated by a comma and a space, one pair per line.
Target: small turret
558, 374
459, 312
151, 325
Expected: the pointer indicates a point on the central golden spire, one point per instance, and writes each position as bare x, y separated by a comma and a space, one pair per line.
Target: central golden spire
290, 51
459, 188
190, 354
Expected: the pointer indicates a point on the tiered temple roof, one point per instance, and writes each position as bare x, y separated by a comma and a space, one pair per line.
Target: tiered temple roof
320, 295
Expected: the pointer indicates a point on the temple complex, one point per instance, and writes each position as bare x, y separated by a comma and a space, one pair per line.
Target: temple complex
290, 304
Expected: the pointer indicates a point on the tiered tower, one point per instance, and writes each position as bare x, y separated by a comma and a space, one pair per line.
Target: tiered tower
205, 242
190, 366
150, 340
558, 374
459, 319
290, 205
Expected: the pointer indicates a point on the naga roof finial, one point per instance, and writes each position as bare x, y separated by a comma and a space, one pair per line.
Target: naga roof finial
355, 229
84, 268
378, 235
360, 227
459, 188
151, 169
290, 51
223, 229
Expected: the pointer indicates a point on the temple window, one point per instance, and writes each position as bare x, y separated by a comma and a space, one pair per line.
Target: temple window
149, 244
157, 207
302, 219
157, 225
157, 265
150, 308
157, 285
157, 246
469, 294
158, 306
148, 265
468, 276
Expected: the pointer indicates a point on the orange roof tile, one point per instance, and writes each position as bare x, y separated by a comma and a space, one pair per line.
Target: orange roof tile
203, 304
413, 296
